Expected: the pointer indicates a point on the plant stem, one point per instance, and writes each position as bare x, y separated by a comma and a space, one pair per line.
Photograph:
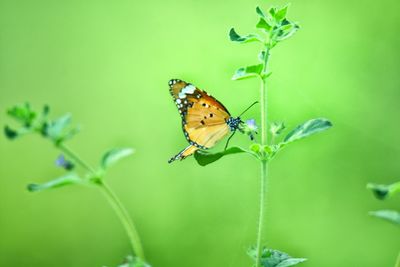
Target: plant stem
398, 261
125, 219
264, 163
115, 203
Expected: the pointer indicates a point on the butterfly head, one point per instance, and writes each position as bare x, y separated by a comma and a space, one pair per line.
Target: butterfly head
234, 123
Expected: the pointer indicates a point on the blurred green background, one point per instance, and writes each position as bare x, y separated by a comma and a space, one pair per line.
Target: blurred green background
109, 62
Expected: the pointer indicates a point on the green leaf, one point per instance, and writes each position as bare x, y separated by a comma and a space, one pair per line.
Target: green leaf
382, 191
23, 114
204, 158
57, 128
260, 12
275, 258
235, 37
277, 128
68, 179
256, 148
272, 11
10, 133
281, 14
388, 215
248, 72
286, 31
262, 24
308, 128
114, 155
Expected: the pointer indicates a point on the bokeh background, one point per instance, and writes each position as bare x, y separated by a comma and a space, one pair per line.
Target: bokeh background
108, 63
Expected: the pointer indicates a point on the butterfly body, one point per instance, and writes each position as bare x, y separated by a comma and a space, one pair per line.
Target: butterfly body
205, 121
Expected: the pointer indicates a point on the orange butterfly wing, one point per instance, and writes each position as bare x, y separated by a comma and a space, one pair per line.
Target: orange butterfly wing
203, 117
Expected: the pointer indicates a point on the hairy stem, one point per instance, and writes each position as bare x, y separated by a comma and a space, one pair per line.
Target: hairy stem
115, 203
264, 163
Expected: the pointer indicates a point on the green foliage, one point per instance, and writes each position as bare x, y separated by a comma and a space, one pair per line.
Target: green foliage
58, 131
235, 37
384, 191
68, 179
306, 129
277, 128
114, 155
388, 215
275, 258
204, 158
248, 72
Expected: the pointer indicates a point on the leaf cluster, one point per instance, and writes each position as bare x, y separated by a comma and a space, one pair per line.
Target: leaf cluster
268, 152
58, 131
274, 258
275, 28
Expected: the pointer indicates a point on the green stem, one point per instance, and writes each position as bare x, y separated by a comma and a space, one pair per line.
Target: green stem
125, 219
398, 261
115, 203
264, 163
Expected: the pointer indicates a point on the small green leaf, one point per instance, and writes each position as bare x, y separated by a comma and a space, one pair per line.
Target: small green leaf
286, 31
281, 14
68, 179
235, 37
260, 12
115, 155
256, 148
275, 258
308, 128
10, 133
248, 72
277, 128
272, 11
23, 114
388, 215
262, 24
204, 158
384, 191
57, 128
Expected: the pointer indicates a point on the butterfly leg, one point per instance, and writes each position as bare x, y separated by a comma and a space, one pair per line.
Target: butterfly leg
227, 142
184, 153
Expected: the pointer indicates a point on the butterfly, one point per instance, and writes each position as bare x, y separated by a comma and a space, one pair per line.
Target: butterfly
205, 121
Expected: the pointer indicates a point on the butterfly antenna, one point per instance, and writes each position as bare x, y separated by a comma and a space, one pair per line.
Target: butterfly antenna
248, 108
227, 142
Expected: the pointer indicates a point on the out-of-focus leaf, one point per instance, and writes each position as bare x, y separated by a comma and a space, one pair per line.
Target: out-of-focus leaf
308, 128
23, 114
235, 37
255, 147
114, 155
382, 191
275, 258
281, 13
10, 133
248, 72
58, 128
68, 179
204, 158
388, 215
260, 12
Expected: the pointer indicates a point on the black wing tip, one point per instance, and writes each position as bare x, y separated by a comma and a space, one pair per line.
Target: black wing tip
173, 81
